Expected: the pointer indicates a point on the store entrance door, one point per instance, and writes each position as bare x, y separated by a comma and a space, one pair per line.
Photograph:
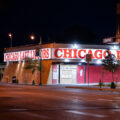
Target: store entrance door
68, 74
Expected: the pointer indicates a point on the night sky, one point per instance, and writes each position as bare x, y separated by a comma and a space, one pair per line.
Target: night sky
52, 18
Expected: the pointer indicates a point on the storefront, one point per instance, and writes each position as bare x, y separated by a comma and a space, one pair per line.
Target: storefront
62, 64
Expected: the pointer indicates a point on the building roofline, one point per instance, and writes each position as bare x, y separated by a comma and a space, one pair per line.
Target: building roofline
57, 45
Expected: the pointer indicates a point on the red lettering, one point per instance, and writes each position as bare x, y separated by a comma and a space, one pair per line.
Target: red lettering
75, 53
26, 54
34, 54
56, 53
7, 57
98, 54
67, 53
79, 53
118, 54
45, 53
104, 54
31, 54
20, 56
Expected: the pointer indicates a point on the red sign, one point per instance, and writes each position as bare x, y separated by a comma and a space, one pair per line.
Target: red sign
60, 53
21, 55
63, 53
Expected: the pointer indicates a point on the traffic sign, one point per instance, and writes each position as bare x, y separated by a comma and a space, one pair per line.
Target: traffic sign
88, 57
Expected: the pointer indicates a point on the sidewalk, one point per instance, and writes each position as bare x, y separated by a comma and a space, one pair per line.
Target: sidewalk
95, 88
90, 87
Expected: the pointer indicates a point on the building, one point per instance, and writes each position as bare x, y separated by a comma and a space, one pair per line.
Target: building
118, 22
61, 63
115, 39
2, 66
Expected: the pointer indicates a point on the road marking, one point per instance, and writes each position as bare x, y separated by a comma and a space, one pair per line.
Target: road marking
35, 115
76, 100
117, 97
104, 100
86, 114
116, 110
24, 111
19, 109
115, 105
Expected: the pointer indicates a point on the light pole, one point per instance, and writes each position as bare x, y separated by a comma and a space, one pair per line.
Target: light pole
10, 35
88, 59
32, 37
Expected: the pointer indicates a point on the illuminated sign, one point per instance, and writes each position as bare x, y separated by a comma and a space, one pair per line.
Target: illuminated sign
64, 53
109, 40
21, 55
60, 53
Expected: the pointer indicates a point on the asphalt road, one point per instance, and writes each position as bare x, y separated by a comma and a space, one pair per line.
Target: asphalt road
19, 102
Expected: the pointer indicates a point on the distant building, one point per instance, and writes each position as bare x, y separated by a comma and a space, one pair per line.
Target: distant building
2, 67
115, 39
118, 22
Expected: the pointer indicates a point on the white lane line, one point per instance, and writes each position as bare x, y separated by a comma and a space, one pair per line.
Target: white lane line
24, 111
117, 97
116, 110
35, 115
115, 105
86, 114
76, 100
19, 109
104, 100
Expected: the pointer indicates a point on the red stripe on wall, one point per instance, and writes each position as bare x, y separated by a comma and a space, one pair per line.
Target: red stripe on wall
96, 74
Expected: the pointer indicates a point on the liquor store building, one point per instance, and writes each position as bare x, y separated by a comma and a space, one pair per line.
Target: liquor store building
61, 64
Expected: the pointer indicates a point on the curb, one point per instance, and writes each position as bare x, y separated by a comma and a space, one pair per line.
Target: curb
89, 88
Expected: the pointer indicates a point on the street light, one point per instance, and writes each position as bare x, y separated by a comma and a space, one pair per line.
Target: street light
10, 35
32, 37
75, 46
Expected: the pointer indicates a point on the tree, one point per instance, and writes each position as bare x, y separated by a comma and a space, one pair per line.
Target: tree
110, 63
32, 64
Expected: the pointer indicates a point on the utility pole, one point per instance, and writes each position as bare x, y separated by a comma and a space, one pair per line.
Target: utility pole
88, 59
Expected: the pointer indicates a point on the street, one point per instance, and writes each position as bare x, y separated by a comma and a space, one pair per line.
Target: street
20, 102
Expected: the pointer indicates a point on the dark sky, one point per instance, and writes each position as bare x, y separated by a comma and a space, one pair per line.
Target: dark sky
50, 18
